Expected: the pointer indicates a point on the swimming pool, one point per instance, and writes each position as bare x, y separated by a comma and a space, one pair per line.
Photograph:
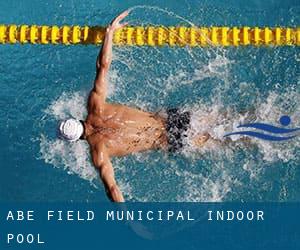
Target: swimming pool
42, 84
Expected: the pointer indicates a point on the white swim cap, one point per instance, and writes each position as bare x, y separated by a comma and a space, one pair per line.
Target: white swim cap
70, 130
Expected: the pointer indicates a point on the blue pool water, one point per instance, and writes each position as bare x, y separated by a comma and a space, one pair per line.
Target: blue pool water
42, 84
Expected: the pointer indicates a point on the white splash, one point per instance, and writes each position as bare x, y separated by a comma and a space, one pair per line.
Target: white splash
72, 157
200, 188
68, 105
218, 121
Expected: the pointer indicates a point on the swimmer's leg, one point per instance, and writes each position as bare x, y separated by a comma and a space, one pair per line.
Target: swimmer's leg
200, 140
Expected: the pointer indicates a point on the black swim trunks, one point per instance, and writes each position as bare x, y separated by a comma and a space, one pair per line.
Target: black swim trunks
177, 125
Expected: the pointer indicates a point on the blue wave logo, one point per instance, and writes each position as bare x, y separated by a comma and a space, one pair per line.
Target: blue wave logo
279, 133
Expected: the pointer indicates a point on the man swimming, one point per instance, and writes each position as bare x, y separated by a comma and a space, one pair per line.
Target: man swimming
117, 130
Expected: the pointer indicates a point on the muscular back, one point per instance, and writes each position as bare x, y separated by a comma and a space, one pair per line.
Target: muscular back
123, 129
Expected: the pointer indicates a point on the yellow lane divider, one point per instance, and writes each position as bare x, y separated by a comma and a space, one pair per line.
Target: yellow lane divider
152, 35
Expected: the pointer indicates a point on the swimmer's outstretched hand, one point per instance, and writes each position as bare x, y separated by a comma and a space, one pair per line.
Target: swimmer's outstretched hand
115, 24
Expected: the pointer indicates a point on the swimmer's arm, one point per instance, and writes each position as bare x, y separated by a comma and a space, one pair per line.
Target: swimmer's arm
102, 65
103, 164
105, 56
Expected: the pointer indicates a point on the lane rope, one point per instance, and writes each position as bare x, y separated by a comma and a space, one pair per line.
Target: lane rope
152, 35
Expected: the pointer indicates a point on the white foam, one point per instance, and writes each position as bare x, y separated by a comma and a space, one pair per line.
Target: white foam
68, 105
200, 188
216, 121
72, 157
271, 110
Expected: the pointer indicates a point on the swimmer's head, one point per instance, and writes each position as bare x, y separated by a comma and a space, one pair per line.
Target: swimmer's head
70, 130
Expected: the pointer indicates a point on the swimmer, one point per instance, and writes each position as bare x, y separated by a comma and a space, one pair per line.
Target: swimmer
114, 130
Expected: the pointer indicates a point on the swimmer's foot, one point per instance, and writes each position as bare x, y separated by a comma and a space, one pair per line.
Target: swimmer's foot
200, 140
